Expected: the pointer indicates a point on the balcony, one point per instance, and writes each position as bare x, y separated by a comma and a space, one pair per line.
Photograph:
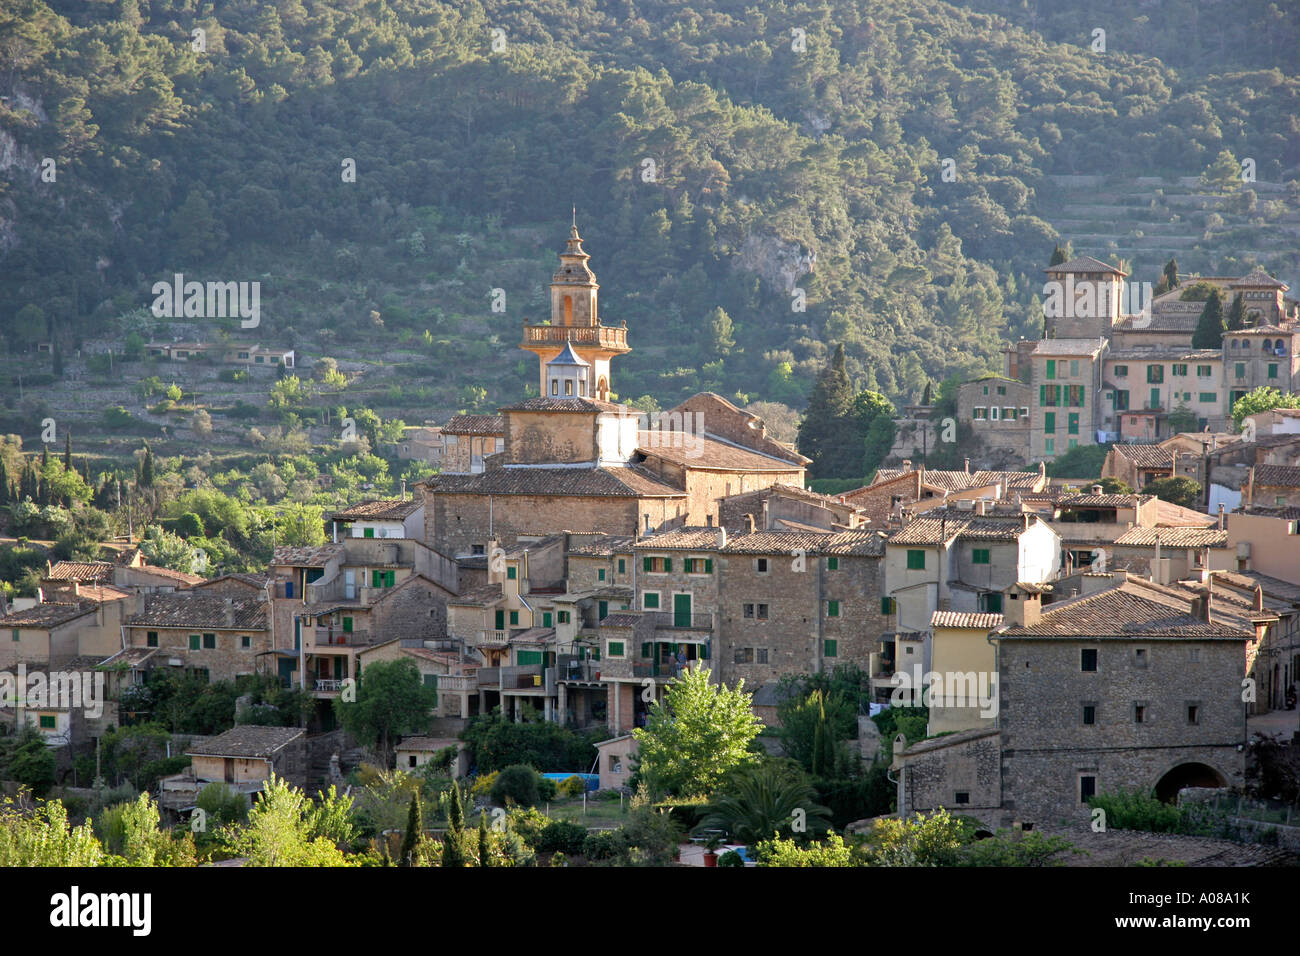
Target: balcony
522, 677
578, 671
493, 638
339, 639
606, 337
667, 620
454, 683
329, 686
489, 677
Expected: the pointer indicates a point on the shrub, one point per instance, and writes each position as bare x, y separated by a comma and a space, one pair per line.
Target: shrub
517, 783
573, 786
483, 784
563, 837
546, 788
1133, 810
604, 845
731, 858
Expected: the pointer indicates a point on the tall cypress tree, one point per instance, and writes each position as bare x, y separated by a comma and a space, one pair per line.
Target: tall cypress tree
452, 851
484, 850
821, 433
1061, 254
5, 496
1171, 273
1237, 313
67, 449
414, 830
146, 468
1209, 330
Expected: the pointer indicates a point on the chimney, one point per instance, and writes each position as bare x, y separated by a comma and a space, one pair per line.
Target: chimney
1201, 605
76, 588
750, 518
966, 465
1042, 471
1022, 609
1220, 515
1250, 487
49, 568
722, 538
907, 464
767, 525
1259, 599
981, 507
230, 612
1096, 489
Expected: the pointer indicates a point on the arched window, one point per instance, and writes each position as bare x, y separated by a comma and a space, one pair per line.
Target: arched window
568, 310
555, 386
568, 386
1245, 343
1234, 343
1268, 344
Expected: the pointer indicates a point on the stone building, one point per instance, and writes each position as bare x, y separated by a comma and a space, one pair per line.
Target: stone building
997, 410
1066, 387
468, 440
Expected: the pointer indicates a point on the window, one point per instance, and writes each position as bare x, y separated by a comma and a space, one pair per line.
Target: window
1240, 369
1002, 389
1272, 370
1049, 423
1087, 788
1051, 368
1121, 400
992, 603
1120, 371
245, 641
150, 638
562, 617
514, 618
986, 389
1155, 374
1140, 657
888, 606
1088, 659
1193, 713
744, 655
1139, 713
698, 565
1072, 424
430, 680
1049, 395
657, 565
622, 566
962, 797
512, 573
760, 655
16, 636
1024, 413
1155, 399
1089, 714
830, 648
832, 608
1180, 370
915, 560
195, 642
368, 532
754, 611
1049, 446
650, 600
832, 564
994, 413
49, 722
1074, 368
1245, 344
760, 565
1203, 371
1009, 414
979, 556
981, 414
614, 649
547, 619
1210, 397
600, 574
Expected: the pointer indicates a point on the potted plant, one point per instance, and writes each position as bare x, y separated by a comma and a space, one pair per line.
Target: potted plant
711, 849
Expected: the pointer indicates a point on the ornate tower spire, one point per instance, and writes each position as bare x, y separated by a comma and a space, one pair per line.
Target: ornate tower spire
575, 319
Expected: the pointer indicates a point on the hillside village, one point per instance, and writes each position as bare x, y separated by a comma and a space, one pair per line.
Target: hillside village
572, 561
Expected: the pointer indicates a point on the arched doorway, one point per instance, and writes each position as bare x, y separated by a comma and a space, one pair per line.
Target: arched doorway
602, 389
1187, 775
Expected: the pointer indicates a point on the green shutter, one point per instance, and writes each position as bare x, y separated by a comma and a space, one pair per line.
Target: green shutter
668, 564
885, 605
646, 647
706, 650
651, 600
600, 574
1042, 394
832, 608
831, 647
1051, 368
514, 618
347, 625
511, 573
832, 564
916, 560
369, 532
376, 579
150, 639
501, 620
622, 566
708, 565
194, 642
546, 619
527, 658
645, 564
1049, 423
390, 578
603, 607
615, 648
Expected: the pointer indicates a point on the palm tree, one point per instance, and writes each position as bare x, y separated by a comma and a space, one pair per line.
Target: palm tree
765, 800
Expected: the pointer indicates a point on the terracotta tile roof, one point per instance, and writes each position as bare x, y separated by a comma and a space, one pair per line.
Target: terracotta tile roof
621, 482
1145, 456
256, 580
1132, 609
1081, 347
1161, 322
181, 577
247, 740
865, 543
545, 403
932, 529
97, 593
956, 480
603, 545
475, 425
776, 542
534, 635
681, 539
983, 622
306, 557
49, 614
1104, 501
1174, 537
1288, 514
379, 509
1010, 480
1163, 353
621, 619
1262, 330
1169, 515
82, 571
1084, 264
196, 609
1277, 476
478, 597
427, 744
1258, 278
701, 451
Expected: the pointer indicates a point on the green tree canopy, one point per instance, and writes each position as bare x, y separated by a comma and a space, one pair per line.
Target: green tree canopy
391, 700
